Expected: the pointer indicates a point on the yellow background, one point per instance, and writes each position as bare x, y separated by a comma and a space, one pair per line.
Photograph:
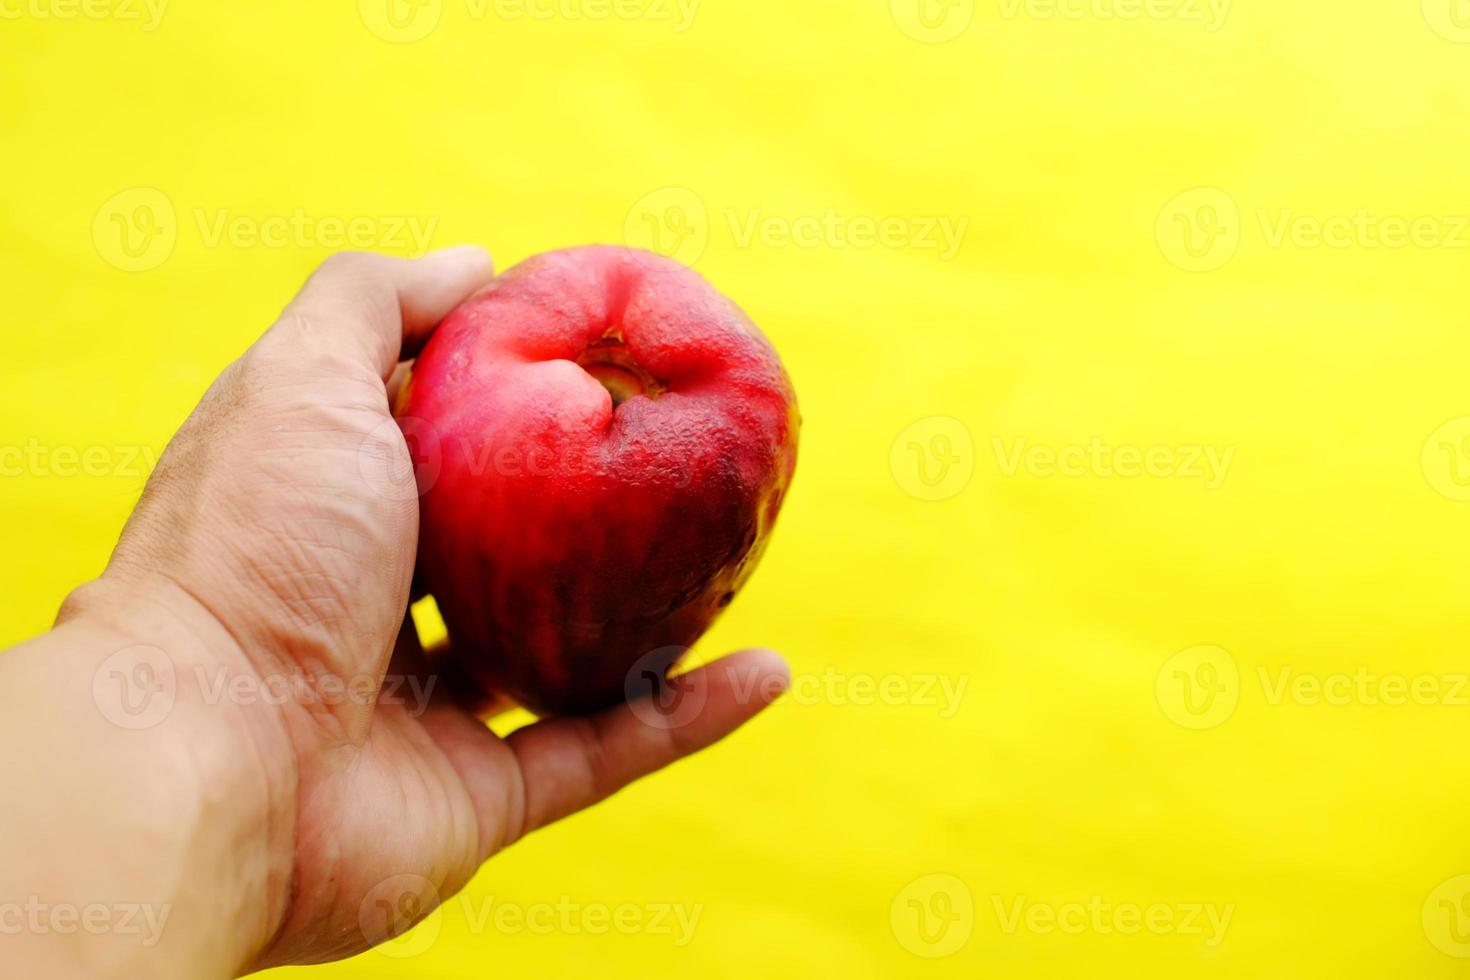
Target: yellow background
1084, 762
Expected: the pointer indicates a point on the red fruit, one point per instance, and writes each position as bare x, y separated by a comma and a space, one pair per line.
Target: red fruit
603, 444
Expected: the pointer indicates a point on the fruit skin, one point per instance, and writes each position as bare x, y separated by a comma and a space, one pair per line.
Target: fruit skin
570, 542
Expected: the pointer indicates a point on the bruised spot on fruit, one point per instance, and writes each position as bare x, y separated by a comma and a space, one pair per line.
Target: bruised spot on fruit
725, 599
611, 363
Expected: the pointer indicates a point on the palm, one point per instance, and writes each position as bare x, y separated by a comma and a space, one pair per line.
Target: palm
285, 507
364, 873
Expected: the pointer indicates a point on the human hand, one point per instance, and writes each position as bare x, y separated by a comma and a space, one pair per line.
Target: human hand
277, 535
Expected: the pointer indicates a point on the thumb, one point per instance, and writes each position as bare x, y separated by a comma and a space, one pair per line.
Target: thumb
378, 309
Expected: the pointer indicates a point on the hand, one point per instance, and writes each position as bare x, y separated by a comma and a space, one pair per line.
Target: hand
273, 550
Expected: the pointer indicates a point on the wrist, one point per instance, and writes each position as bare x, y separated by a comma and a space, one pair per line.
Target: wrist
176, 658
160, 787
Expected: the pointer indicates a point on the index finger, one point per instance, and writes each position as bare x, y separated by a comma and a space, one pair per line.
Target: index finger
568, 764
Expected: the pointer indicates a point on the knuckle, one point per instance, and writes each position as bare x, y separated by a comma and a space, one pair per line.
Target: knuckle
594, 756
362, 277
348, 262
82, 600
306, 345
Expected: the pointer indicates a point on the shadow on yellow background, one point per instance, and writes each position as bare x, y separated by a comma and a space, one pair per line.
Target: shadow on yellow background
1124, 577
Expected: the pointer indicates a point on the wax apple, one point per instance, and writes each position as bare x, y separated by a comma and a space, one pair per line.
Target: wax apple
603, 443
